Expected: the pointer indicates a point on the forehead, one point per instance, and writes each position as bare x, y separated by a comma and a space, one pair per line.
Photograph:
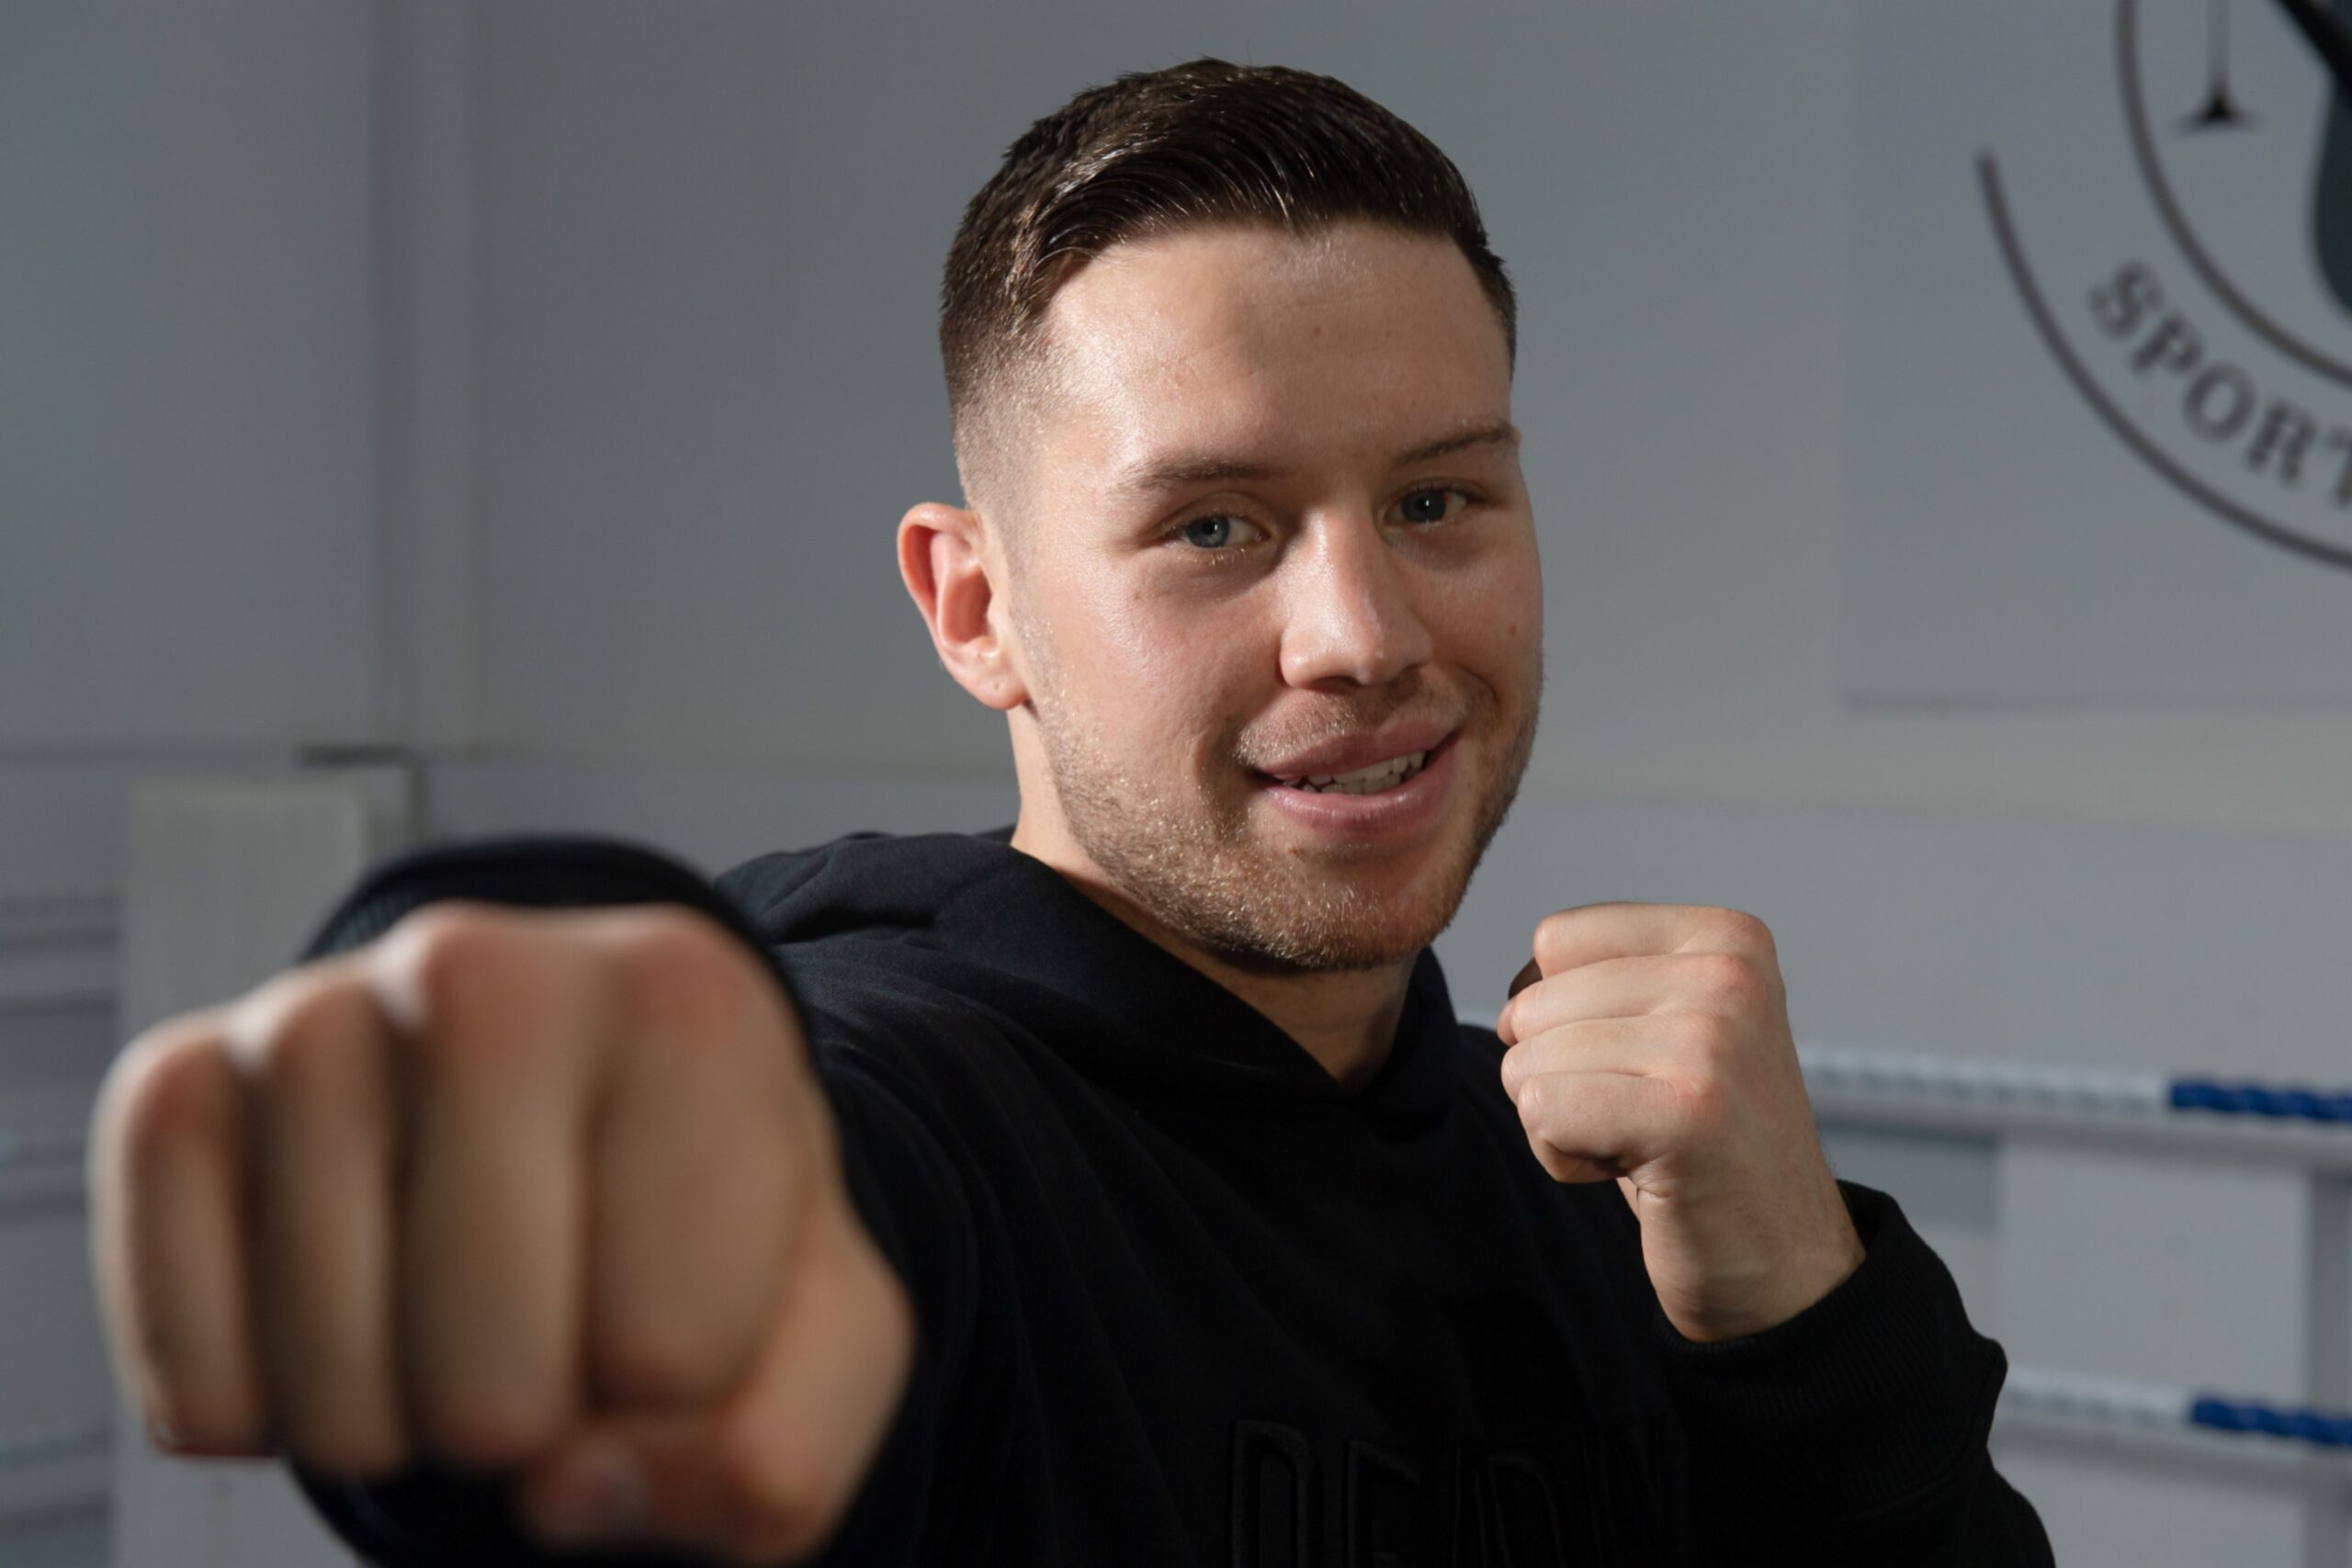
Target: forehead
1249, 338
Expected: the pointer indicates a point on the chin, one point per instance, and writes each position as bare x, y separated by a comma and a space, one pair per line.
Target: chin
1333, 917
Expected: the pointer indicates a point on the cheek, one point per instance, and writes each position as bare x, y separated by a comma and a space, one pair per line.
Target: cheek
1126, 646
1494, 622
1168, 676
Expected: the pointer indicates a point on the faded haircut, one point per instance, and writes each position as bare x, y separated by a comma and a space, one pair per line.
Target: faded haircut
1153, 152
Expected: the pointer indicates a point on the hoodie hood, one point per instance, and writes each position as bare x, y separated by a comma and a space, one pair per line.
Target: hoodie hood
969, 914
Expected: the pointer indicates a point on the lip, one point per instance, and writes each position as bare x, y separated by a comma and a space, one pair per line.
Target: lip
1406, 812
1360, 751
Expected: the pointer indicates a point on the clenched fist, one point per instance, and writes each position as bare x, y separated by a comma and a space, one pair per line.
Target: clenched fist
513, 1189
1650, 1043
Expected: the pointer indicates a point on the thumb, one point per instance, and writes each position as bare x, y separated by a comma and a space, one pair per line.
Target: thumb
1520, 982
769, 1474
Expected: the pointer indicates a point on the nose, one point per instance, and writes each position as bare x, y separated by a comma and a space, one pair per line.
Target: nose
1348, 612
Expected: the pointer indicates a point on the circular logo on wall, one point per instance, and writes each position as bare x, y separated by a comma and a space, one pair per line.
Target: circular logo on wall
2219, 348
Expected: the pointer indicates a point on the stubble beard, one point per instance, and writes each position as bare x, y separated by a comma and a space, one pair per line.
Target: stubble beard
1190, 862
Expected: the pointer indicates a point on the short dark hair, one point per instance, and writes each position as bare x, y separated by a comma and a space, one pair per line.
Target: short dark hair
1203, 142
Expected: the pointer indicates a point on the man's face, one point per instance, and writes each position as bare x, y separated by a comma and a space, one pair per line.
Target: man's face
1275, 527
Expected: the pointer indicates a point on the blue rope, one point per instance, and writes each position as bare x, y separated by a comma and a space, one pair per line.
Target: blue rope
2329, 1428
2260, 1099
2126, 1403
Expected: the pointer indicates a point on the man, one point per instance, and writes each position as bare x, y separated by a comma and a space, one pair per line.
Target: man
1118, 1187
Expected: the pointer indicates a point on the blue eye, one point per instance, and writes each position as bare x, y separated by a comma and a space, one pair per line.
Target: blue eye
1209, 533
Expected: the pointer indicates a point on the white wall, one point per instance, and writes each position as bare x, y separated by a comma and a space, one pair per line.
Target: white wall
536, 387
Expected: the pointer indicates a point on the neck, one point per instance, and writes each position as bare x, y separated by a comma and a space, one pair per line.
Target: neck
1345, 1020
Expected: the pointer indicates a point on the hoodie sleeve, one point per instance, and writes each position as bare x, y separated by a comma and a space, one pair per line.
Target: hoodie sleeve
431, 1516
1855, 1432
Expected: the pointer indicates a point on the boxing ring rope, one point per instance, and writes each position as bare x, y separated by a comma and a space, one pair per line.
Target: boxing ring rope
1943, 1080
2083, 1398
2191, 1115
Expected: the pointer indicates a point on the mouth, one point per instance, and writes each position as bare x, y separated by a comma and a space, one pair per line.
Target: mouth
1375, 778
1378, 779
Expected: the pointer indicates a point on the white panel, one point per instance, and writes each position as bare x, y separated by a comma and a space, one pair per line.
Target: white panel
2173, 1272
2145, 1268
227, 880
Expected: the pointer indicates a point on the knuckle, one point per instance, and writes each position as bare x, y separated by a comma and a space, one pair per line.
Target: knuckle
443, 955
1551, 933
1703, 1107
685, 974
469, 991
297, 1027
1731, 980
169, 1082
1742, 931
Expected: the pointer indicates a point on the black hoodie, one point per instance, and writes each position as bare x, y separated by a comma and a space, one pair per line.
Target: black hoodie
1182, 1299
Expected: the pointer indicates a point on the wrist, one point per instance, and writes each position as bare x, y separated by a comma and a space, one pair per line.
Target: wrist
1781, 1296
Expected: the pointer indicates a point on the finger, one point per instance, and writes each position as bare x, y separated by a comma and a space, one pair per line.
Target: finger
709, 1138
504, 1033
1728, 983
1636, 1047
1585, 1126
1577, 1170
320, 1090
168, 1241
1594, 931
1527, 974
770, 1473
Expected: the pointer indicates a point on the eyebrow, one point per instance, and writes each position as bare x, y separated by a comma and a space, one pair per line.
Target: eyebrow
1183, 470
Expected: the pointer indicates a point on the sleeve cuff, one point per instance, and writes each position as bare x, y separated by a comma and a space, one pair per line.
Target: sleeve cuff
1876, 1393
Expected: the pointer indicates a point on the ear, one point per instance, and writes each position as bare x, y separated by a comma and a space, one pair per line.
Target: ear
946, 574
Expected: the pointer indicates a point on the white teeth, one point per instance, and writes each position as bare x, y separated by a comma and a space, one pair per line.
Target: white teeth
1365, 781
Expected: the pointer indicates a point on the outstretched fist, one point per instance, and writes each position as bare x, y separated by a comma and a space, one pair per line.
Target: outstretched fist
553, 1192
